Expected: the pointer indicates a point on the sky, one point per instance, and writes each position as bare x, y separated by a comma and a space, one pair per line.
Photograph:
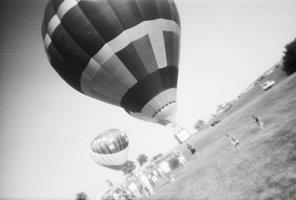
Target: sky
46, 127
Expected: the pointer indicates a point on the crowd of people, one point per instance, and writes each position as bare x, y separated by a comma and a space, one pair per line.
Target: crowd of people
142, 183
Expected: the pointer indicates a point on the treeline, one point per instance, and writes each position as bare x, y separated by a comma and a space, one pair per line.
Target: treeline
289, 58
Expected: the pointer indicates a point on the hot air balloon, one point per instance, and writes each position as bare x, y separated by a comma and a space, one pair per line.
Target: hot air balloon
110, 149
123, 52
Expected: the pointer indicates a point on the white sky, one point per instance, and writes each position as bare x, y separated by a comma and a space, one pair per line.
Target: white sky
46, 127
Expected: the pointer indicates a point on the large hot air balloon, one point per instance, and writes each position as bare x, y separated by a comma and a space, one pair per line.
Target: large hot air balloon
123, 52
110, 149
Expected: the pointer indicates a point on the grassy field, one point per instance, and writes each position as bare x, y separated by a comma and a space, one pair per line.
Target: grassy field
263, 168
254, 90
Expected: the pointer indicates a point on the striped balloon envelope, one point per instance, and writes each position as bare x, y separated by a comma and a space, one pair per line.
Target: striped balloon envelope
110, 149
123, 52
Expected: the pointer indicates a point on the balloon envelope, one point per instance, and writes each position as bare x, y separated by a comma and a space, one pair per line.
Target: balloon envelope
110, 149
123, 52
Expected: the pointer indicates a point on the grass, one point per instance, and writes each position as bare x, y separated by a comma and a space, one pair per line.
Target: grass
265, 166
278, 75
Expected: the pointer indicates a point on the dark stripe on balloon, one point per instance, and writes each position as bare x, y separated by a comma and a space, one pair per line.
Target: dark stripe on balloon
64, 67
107, 149
148, 9
127, 12
121, 143
102, 17
104, 149
100, 146
145, 53
153, 84
82, 31
169, 47
114, 144
176, 49
164, 9
71, 51
48, 14
57, 3
117, 144
174, 12
172, 47
130, 58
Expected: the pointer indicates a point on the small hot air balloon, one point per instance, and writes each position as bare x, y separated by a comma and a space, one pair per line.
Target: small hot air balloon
123, 52
110, 149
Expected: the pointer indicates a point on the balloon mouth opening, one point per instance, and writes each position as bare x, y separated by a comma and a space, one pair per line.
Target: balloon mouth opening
163, 108
166, 114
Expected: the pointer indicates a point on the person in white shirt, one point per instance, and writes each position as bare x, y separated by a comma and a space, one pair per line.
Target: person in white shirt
165, 168
146, 183
181, 159
234, 141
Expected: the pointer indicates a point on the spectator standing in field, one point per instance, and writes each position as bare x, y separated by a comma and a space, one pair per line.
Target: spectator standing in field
146, 184
233, 141
191, 149
155, 171
181, 159
258, 121
159, 173
134, 190
156, 176
165, 168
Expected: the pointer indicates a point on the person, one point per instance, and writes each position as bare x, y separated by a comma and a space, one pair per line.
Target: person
146, 184
165, 168
154, 178
125, 195
155, 172
234, 142
258, 121
191, 148
134, 190
151, 177
181, 159
144, 190
130, 191
159, 173
115, 195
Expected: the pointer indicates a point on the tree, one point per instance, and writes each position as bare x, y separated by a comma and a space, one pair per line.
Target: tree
289, 58
81, 196
220, 107
228, 105
142, 158
129, 167
199, 124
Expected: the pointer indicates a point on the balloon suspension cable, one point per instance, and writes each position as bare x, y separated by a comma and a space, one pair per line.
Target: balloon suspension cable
177, 128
